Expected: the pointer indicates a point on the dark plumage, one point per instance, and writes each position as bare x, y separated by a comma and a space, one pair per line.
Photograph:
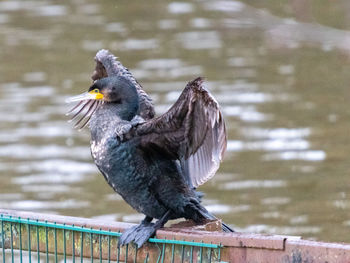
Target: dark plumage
153, 163
107, 65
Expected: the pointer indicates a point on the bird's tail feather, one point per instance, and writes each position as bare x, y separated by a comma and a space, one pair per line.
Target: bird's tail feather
226, 228
207, 215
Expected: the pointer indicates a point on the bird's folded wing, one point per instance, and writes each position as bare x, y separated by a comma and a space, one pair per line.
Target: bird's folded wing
192, 131
107, 65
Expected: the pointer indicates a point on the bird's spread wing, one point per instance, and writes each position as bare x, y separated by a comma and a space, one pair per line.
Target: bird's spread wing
108, 65
192, 131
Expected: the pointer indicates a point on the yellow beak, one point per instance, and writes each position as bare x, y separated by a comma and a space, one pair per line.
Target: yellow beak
91, 95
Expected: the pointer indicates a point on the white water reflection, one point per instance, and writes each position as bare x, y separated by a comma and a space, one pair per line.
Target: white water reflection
199, 40
280, 133
160, 63
200, 22
218, 209
287, 230
54, 178
225, 6
246, 113
135, 44
116, 28
108, 217
11, 196
251, 97
285, 144
276, 200
56, 166
168, 71
22, 151
50, 131
312, 156
239, 185
31, 205
35, 76
51, 10
268, 145
132, 218
42, 188
180, 8
166, 24
301, 219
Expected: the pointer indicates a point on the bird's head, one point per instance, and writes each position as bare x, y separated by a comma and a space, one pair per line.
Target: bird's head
117, 90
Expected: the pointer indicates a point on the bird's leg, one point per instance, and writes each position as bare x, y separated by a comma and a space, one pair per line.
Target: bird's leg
147, 220
141, 233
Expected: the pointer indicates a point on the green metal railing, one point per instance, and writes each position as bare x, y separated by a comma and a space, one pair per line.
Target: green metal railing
28, 240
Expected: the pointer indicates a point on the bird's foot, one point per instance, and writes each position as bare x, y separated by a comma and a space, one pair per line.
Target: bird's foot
138, 234
137, 120
123, 129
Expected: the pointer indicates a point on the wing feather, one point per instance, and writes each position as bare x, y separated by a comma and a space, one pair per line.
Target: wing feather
192, 131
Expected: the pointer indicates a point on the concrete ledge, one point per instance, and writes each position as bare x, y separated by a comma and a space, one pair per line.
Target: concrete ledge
237, 247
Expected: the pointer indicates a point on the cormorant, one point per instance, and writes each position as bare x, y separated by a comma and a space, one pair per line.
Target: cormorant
154, 163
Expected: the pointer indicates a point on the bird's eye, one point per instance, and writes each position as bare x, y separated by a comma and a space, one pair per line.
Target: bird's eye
96, 91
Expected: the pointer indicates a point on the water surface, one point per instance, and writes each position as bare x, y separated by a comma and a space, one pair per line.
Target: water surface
280, 73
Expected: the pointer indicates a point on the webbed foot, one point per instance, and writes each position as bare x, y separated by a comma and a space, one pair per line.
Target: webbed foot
141, 233
138, 234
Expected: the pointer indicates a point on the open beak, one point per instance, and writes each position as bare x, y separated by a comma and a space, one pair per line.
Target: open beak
88, 103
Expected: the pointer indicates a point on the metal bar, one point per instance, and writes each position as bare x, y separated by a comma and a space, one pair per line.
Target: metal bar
81, 247
160, 253
73, 246
135, 256
3, 242
55, 238
172, 253
126, 253
100, 247
118, 252
210, 254
47, 244
64, 246
29, 245
182, 253
191, 258
109, 249
20, 243
163, 253
37, 244
91, 249
12, 255
219, 256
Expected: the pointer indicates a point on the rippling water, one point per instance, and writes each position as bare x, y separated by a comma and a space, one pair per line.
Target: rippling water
280, 73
